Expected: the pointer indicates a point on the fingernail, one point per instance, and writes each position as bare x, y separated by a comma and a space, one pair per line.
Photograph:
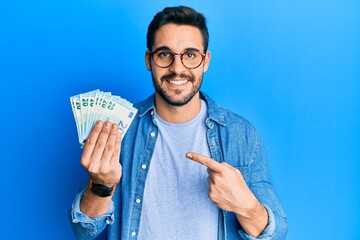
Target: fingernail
98, 123
189, 155
107, 124
114, 127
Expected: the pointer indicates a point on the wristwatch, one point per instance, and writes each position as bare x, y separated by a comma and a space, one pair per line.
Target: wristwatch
101, 190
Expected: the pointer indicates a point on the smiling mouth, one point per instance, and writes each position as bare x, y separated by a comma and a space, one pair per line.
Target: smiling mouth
178, 82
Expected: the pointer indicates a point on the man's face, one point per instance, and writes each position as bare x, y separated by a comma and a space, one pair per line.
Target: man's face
176, 84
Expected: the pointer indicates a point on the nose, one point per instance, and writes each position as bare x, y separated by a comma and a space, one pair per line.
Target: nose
177, 66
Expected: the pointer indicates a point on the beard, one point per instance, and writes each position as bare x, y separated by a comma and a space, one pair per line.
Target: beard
180, 98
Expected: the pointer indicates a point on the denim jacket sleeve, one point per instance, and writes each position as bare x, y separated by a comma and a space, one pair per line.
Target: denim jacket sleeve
234, 140
268, 232
259, 181
84, 227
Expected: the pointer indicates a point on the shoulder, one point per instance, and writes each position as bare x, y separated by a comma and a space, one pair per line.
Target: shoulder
240, 130
239, 140
145, 105
226, 117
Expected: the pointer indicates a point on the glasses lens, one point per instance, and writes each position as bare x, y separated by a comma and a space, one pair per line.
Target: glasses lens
163, 58
192, 59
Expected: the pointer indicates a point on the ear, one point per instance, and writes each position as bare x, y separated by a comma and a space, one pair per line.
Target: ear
207, 60
148, 60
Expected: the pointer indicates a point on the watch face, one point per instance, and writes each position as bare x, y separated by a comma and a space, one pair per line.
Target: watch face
101, 190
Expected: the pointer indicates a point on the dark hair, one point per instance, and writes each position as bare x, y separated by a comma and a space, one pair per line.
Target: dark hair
180, 15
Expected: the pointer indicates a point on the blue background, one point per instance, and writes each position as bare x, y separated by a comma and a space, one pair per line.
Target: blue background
289, 67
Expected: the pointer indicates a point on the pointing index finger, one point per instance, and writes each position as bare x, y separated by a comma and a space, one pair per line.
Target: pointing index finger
208, 162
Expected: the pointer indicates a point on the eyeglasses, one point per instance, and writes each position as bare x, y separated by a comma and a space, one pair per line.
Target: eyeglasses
165, 58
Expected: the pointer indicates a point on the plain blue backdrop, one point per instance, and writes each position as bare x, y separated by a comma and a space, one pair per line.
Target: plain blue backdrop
289, 67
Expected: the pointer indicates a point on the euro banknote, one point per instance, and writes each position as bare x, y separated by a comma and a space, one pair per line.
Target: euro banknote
96, 105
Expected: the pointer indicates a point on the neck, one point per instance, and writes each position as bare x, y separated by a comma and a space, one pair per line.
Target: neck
177, 114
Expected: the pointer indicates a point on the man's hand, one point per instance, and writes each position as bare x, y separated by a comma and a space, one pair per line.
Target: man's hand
100, 158
101, 154
229, 191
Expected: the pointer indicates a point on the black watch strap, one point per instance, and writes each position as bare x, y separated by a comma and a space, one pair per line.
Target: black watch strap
101, 190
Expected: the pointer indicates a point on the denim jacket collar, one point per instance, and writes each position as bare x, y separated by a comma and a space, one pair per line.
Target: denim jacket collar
215, 111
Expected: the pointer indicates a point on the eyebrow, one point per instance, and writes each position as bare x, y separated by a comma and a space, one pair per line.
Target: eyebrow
168, 49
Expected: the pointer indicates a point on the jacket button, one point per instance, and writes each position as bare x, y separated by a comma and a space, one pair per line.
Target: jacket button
152, 134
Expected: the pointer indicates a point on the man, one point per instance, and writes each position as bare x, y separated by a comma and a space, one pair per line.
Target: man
187, 168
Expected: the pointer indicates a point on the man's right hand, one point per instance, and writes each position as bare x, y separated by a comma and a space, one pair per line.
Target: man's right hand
101, 154
100, 158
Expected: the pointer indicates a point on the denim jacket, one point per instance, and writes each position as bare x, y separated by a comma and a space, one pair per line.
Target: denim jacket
231, 139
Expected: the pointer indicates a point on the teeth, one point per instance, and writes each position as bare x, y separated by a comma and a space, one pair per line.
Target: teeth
178, 83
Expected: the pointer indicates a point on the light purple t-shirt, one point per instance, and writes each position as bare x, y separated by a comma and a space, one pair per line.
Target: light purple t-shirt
176, 203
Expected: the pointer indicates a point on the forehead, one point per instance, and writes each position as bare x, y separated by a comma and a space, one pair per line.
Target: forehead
178, 37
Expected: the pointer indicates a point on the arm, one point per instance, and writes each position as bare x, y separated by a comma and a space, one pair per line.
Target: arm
229, 191
260, 183
100, 157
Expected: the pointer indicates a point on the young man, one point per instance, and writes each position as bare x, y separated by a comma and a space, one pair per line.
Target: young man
187, 168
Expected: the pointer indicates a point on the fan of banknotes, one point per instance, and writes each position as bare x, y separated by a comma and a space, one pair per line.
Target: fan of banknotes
96, 105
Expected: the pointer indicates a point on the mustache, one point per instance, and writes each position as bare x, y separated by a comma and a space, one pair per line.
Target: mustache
171, 76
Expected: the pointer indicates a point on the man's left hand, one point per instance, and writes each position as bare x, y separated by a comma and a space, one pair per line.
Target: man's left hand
229, 191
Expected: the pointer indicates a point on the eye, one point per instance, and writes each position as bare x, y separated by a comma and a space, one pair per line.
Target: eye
164, 54
190, 55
